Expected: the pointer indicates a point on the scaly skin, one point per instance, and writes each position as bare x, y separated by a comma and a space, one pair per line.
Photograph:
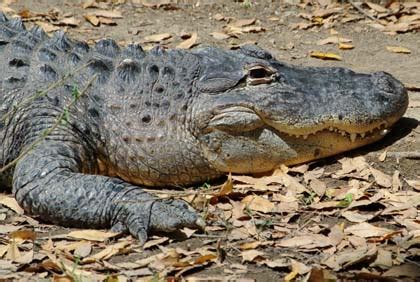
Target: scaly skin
165, 118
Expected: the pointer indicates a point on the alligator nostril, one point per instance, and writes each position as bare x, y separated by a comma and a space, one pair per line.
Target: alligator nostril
387, 83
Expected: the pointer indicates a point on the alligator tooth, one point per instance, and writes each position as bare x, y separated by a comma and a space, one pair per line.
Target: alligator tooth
331, 128
305, 137
383, 132
353, 137
362, 135
343, 133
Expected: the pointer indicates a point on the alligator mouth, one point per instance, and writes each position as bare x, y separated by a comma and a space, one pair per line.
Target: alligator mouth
232, 119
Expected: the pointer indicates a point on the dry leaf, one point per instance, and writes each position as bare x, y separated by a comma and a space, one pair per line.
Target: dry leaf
23, 235
333, 40
92, 19
356, 217
92, 235
258, 203
187, 44
325, 56
156, 38
108, 14
218, 17
381, 178
382, 156
220, 35
11, 204
83, 250
243, 22
306, 241
47, 27
250, 255
397, 49
344, 46
107, 253
227, 187
71, 21
366, 230
250, 245
414, 183
151, 243
376, 7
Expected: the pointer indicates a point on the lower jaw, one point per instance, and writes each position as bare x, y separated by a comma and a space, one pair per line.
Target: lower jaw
324, 144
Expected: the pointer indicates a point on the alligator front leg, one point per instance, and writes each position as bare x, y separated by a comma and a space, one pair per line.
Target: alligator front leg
48, 182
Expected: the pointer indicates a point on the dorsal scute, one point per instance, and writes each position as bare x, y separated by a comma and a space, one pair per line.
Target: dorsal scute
107, 47
133, 51
128, 70
60, 41
38, 32
15, 24
3, 18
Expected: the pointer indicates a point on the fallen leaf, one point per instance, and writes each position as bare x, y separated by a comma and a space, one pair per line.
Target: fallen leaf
11, 203
243, 22
71, 21
356, 217
325, 56
277, 263
366, 230
92, 235
83, 250
156, 38
258, 203
381, 178
107, 253
218, 17
23, 235
108, 14
250, 245
306, 241
376, 7
154, 242
187, 44
220, 35
333, 40
92, 19
397, 49
251, 255
227, 187
382, 156
188, 232
414, 183
47, 27
345, 46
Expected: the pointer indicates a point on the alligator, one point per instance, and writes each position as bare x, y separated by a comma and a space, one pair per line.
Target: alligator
85, 129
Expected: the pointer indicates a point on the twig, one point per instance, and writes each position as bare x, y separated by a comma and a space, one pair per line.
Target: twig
48, 130
364, 12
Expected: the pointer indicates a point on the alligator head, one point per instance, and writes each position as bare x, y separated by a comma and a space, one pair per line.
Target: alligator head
254, 113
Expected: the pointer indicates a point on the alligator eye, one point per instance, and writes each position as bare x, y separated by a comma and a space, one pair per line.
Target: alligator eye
259, 75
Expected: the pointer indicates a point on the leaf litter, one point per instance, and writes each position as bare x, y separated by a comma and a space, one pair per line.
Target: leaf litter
302, 220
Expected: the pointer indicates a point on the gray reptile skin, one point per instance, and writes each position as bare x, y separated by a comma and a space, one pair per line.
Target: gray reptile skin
164, 118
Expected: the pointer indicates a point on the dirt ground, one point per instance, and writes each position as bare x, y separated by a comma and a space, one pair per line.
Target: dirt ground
291, 45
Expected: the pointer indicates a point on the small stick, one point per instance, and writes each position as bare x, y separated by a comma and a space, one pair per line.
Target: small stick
364, 12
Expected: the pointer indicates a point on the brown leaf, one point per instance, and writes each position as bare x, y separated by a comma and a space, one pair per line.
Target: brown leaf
318, 186
243, 22
333, 40
325, 56
205, 258
156, 38
356, 217
251, 255
71, 21
306, 241
344, 46
92, 235
155, 242
258, 203
187, 44
250, 245
376, 7
108, 14
92, 19
23, 235
227, 187
381, 178
83, 250
414, 183
107, 253
366, 230
26, 14
277, 263
220, 35
11, 203
397, 49
89, 4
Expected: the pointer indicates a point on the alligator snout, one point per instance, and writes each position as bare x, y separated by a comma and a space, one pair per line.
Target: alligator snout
385, 82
